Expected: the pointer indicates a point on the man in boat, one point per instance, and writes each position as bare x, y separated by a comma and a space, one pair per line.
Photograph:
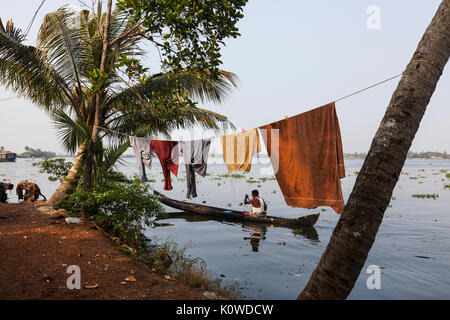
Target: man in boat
259, 206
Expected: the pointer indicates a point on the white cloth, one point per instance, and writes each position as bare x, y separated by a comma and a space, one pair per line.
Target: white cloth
258, 211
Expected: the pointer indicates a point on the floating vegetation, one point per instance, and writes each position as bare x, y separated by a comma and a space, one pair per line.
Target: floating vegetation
415, 178
274, 191
405, 173
447, 186
267, 179
241, 204
253, 181
356, 172
234, 176
448, 175
444, 170
433, 196
229, 204
151, 180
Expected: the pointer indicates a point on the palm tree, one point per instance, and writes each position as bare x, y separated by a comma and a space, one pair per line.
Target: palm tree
57, 75
352, 239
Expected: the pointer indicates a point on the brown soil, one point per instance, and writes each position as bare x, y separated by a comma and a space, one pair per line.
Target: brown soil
35, 252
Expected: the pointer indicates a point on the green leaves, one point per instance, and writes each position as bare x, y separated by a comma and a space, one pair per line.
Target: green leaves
98, 79
56, 168
133, 68
188, 32
124, 209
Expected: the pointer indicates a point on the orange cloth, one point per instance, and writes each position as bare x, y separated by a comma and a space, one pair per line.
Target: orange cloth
309, 161
239, 148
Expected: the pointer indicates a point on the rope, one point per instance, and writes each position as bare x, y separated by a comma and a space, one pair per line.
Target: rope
369, 87
106, 129
34, 17
345, 97
6, 99
431, 63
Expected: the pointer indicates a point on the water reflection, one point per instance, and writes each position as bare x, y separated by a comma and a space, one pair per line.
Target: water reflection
257, 231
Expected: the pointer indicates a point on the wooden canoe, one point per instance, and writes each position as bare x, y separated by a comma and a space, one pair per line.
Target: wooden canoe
308, 232
305, 221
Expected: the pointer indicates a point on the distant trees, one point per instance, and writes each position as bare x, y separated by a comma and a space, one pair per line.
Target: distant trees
428, 155
36, 153
411, 155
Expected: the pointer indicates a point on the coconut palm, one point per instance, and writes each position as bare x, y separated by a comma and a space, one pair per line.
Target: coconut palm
58, 75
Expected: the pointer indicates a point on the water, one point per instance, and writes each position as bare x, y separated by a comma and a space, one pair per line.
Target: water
412, 245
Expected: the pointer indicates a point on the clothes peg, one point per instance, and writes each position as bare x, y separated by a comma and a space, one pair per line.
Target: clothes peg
243, 130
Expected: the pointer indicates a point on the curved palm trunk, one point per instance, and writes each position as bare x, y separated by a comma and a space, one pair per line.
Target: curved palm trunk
72, 177
350, 243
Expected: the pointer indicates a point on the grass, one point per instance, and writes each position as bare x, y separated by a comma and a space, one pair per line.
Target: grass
267, 179
192, 271
234, 176
433, 196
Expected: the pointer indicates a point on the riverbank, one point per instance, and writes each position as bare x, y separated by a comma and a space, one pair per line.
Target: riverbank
36, 251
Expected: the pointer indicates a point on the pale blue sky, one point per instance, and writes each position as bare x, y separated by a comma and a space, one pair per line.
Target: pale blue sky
292, 56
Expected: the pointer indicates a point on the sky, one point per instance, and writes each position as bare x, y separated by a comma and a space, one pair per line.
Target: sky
292, 56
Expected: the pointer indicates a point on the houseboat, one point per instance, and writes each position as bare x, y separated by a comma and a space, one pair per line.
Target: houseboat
6, 156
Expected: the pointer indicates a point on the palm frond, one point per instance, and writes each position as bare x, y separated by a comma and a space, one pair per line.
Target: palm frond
201, 86
23, 70
71, 132
60, 39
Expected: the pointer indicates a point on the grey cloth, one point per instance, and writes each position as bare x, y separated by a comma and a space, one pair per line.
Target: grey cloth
143, 153
195, 156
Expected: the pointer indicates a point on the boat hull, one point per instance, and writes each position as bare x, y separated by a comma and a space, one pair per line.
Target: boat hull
305, 221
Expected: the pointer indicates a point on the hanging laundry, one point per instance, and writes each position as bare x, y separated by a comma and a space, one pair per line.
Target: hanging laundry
308, 159
143, 153
195, 156
167, 152
239, 148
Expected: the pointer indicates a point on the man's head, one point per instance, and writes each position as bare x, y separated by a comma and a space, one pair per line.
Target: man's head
6, 186
255, 193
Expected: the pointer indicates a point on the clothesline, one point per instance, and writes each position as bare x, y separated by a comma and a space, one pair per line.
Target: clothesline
369, 87
6, 99
340, 99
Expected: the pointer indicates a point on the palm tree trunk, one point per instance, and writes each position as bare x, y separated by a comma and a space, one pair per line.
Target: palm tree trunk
87, 176
352, 239
71, 178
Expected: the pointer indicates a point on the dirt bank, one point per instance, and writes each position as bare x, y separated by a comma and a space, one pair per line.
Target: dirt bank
35, 253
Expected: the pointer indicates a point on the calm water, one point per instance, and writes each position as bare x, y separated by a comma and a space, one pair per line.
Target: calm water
276, 263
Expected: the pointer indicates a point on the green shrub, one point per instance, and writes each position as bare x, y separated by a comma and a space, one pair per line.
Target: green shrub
122, 209
56, 168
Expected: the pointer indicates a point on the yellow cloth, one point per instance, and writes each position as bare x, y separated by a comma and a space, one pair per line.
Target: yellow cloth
239, 148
